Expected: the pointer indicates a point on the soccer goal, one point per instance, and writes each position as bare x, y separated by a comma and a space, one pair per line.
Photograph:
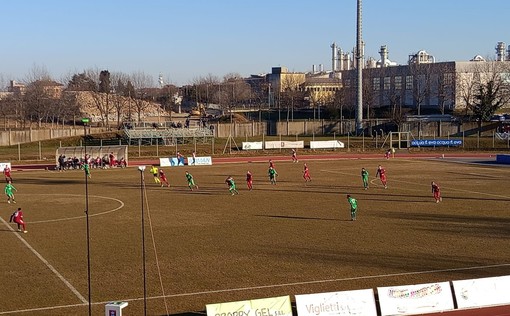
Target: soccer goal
397, 140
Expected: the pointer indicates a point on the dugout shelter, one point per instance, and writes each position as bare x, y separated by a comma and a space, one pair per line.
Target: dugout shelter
119, 151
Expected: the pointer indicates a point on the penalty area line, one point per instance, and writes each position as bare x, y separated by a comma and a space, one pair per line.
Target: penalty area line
38, 255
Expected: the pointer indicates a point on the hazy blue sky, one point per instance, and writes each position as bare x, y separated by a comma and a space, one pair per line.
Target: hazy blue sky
187, 39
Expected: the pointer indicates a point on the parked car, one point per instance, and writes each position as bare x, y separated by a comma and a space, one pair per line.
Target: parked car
497, 118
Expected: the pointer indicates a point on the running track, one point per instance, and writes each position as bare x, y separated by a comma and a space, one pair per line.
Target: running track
333, 156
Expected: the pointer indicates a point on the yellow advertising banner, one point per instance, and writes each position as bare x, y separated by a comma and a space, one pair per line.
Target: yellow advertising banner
273, 306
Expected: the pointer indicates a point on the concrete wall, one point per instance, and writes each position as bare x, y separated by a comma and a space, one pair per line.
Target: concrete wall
252, 129
240, 129
324, 127
10, 137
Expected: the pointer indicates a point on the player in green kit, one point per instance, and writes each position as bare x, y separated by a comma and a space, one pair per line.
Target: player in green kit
191, 181
364, 177
86, 168
272, 175
354, 206
231, 185
8, 191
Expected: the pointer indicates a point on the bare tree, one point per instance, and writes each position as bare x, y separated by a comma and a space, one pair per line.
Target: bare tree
37, 73
66, 107
39, 102
484, 88
422, 74
120, 95
140, 81
292, 95
445, 91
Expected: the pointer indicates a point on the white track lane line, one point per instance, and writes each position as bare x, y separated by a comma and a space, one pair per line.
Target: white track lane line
38, 255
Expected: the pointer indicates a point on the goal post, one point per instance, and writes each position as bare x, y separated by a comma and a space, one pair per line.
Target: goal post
119, 151
398, 140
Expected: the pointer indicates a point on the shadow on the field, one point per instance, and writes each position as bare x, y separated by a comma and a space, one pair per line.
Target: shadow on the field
47, 181
469, 176
300, 217
7, 230
454, 224
406, 198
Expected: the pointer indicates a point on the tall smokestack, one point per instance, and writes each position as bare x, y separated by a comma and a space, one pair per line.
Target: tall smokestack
500, 51
334, 57
384, 55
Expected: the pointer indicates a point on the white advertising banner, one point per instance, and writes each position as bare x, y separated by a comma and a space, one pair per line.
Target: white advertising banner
415, 299
252, 145
284, 144
326, 144
359, 302
482, 292
173, 162
273, 306
164, 162
199, 161
3, 165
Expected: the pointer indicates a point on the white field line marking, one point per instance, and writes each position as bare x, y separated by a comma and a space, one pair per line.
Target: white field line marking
38, 255
378, 276
82, 216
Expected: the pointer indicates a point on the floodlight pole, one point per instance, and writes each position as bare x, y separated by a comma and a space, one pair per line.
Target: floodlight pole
85, 121
141, 169
359, 70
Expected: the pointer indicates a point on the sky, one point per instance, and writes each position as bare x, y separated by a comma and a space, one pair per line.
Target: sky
185, 40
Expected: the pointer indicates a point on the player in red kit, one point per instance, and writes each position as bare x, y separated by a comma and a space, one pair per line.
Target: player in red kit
17, 217
387, 155
271, 164
7, 174
382, 175
249, 180
112, 160
294, 155
162, 178
436, 191
306, 173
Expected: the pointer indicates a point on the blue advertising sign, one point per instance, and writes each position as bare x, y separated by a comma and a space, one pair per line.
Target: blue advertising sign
436, 142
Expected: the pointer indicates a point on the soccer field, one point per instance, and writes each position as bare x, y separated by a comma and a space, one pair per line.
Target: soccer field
207, 246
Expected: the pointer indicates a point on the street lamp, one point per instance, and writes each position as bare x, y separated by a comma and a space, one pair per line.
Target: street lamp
85, 122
